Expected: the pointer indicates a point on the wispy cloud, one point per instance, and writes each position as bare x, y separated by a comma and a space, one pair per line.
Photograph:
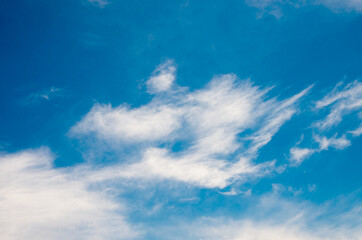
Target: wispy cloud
356, 132
275, 7
209, 120
342, 5
43, 96
221, 129
334, 142
99, 3
298, 155
275, 217
342, 101
40, 202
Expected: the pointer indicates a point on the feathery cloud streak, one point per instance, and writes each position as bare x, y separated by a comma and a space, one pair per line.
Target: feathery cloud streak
340, 102
272, 216
210, 121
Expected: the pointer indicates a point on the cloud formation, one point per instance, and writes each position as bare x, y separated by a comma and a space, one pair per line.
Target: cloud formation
99, 3
41, 202
208, 121
275, 217
342, 5
162, 78
342, 101
298, 155
207, 138
275, 7
43, 95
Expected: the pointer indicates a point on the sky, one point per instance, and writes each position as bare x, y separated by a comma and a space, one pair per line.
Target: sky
235, 120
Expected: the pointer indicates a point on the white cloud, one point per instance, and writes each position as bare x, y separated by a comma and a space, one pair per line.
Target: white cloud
43, 95
342, 5
281, 189
357, 132
158, 164
239, 230
208, 120
273, 217
246, 229
162, 78
341, 102
275, 7
334, 142
149, 123
41, 202
99, 3
298, 155
275, 119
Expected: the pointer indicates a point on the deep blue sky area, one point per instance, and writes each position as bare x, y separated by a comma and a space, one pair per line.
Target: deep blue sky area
60, 58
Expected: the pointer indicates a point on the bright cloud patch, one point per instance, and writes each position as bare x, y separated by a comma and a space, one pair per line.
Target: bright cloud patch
297, 155
40, 202
148, 123
162, 78
209, 121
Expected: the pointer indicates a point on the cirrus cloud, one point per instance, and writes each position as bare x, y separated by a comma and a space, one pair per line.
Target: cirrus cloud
208, 121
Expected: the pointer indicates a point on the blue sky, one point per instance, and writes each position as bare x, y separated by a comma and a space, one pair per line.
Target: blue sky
181, 119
